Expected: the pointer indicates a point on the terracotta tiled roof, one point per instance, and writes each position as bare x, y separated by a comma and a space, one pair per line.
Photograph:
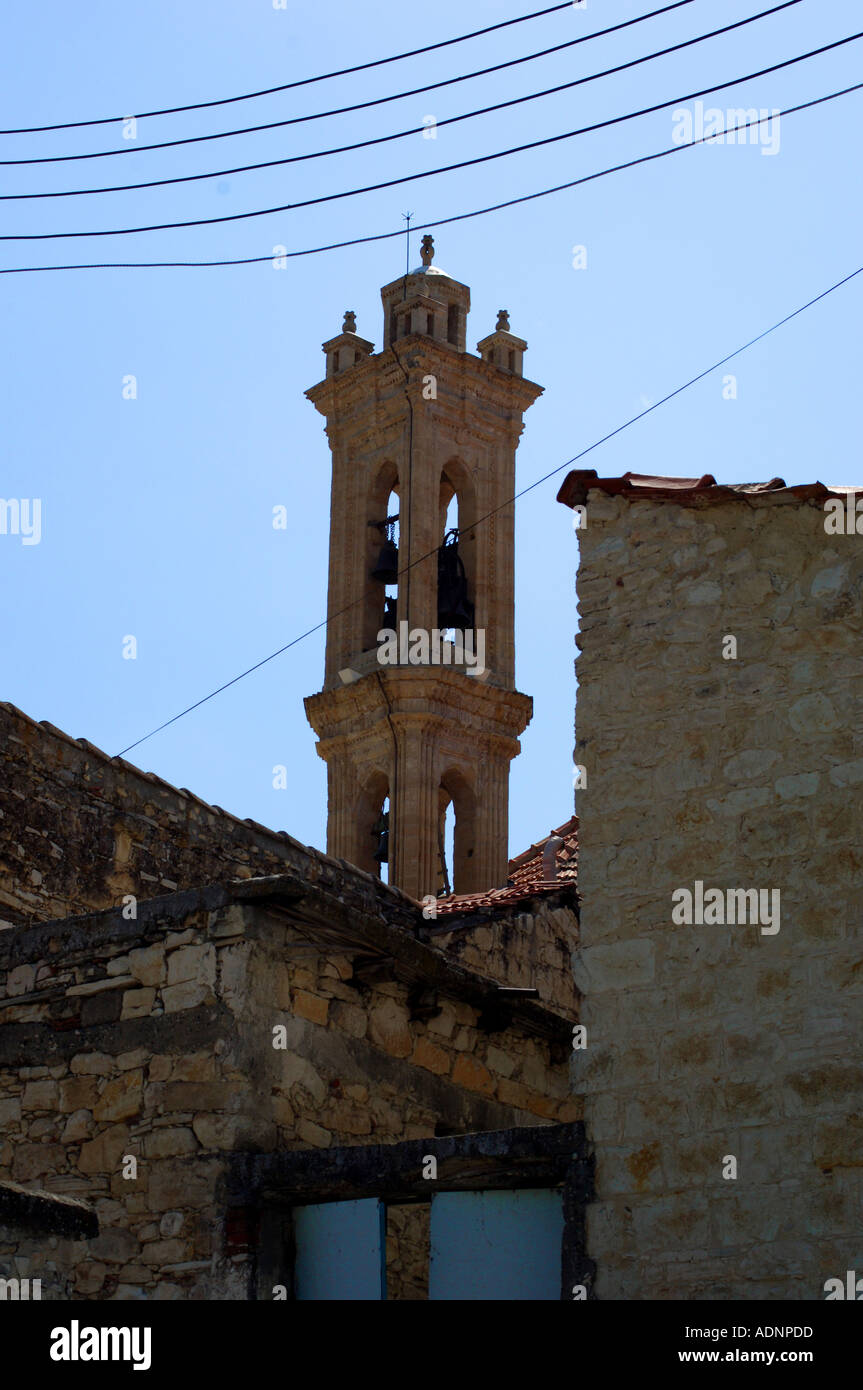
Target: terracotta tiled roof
693, 491
525, 876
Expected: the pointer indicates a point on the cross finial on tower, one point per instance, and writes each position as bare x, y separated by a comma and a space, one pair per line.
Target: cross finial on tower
350, 323
427, 250
502, 321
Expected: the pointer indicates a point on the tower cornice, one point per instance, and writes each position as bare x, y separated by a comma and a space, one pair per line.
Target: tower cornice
429, 692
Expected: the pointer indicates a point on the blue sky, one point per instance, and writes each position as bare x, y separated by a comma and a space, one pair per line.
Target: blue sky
157, 512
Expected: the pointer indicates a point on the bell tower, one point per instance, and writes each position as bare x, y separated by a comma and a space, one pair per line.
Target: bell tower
419, 706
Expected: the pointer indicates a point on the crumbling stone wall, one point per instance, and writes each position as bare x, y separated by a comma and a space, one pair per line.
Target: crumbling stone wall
528, 947
713, 1041
42, 1239
153, 1039
408, 1251
49, 1259
79, 829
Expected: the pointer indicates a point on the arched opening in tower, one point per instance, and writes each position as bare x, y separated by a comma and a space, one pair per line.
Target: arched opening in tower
374, 826
381, 832
456, 832
444, 599
457, 510
383, 556
391, 588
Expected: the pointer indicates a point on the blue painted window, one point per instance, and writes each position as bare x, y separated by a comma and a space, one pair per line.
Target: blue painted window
340, 1249
496, 1245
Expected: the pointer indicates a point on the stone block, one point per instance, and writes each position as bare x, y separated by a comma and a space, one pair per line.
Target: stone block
444, 1023
78, 1126
122, 1098
199, 1066
472, 1075
682, 1054
138, 1003
233, 965
314, 1135
294, 1070
348, 1018
114, 1246
147, 964
834, 1086
10, 1111
432, 1058
221, 1131
184, 1184
90, 1277
128, 1061
310, 1006
389, 1028
40, 1095
164, 1252
839, 1143
20, 980
656, 1110
187, 995
677, 1223
631, 1169
351, 1119
169, 1143
798, 784
91, 1064
31, 1161
104, 1153
79, 1093
172, 1096
196, 963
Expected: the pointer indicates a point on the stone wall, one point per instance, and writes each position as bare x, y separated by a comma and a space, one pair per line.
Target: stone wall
408, 1251
49, 1259
710, 1042
43, 1238
79, 829
528, 947
152, 1040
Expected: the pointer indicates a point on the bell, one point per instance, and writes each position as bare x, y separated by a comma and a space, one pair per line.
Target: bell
459, 615
390, 607
387, 568
454, 607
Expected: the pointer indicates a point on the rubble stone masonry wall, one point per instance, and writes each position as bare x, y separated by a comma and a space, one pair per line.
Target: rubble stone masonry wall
715, 1041
527, 948
79, 829
153, 1039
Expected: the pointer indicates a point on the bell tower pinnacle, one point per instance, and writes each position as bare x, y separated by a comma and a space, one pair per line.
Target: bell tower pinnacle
419, 705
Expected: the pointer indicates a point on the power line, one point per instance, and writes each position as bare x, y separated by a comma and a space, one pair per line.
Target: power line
425, 226
537, 483
406, 178
360, 106
322, 77
402, 134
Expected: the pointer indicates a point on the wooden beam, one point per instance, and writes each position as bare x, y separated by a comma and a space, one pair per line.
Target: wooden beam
532, 1156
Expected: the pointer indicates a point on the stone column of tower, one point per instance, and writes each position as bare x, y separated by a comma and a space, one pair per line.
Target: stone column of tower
425, 420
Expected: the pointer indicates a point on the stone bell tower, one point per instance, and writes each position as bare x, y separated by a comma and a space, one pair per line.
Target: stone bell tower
417, 430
